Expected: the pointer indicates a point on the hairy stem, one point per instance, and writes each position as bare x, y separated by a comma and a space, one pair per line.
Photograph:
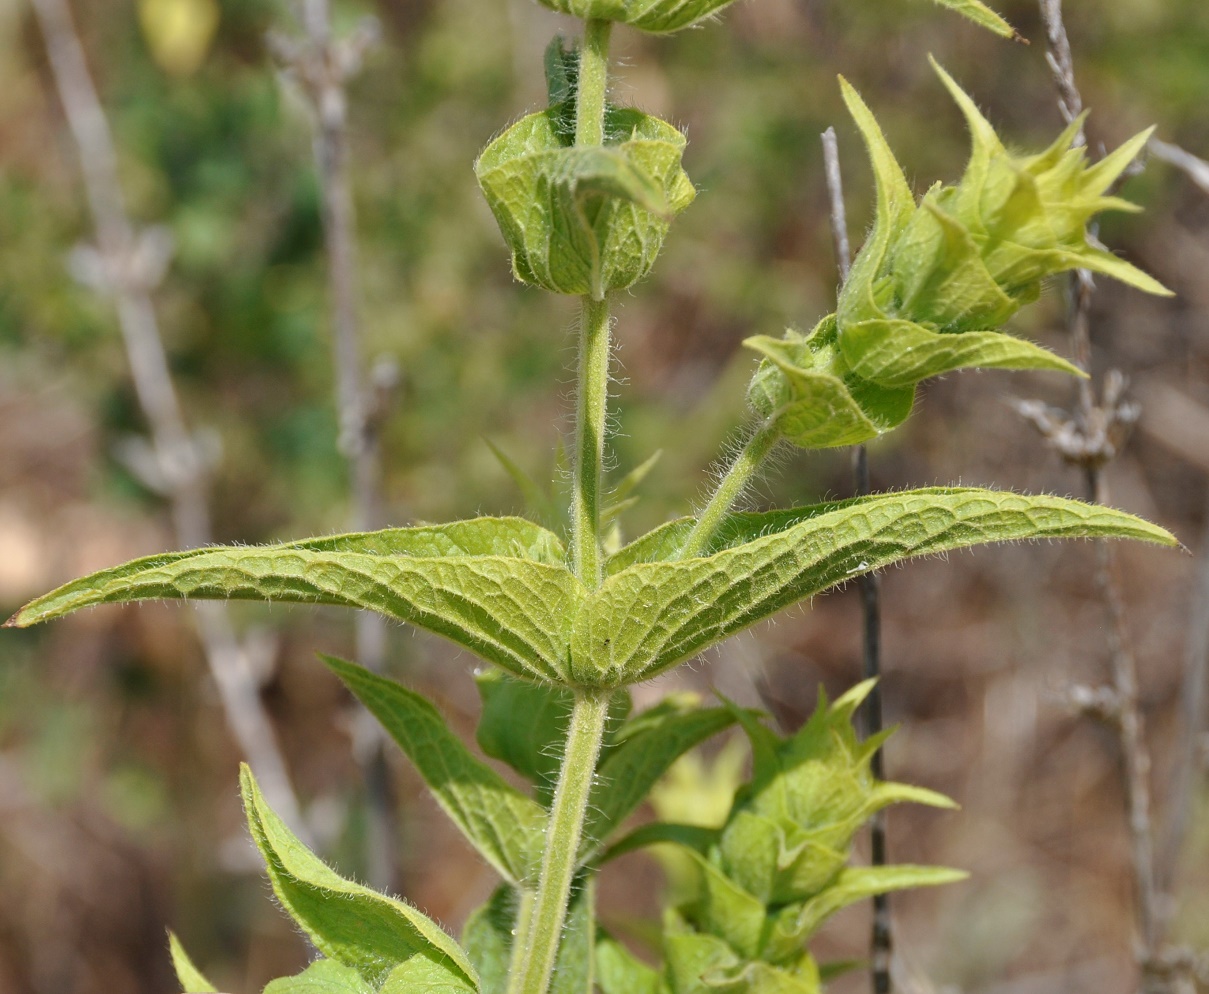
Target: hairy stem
542, 915
594, 344
730, 489
590, 416
538, 935
593, 83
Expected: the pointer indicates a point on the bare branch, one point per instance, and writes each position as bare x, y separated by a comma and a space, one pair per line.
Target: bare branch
1089, 438
321, 63
1195, 169
128, 265
882, 938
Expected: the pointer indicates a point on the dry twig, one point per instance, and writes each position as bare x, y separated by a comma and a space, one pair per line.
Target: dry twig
128, 265
882, 939
321, 64
1088, 438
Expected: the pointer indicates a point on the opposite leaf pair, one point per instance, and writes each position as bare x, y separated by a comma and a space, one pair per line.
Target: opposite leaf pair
500, 586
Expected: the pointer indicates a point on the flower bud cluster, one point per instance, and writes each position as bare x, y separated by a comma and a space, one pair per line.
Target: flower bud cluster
778, 868
937, 278
583, 219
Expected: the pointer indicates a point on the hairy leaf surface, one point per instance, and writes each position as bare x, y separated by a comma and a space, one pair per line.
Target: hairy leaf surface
627, 775
511, 611
347, 922
500, 822
649, 616
191, 979
323, 977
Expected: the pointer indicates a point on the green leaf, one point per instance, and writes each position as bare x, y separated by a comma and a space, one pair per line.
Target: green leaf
897, 353
562, 70
538, 499
322, 977
814, 408
502, 824
511, 611
695, 837
489, 933
524, 724
420, 975
653, 16
855, 883
650, 616
584, 219
618, 971
981, 14
189, 976
355, 926
513, 537
627, 775
692, 956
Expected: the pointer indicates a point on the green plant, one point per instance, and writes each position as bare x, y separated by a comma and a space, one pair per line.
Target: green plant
584, 194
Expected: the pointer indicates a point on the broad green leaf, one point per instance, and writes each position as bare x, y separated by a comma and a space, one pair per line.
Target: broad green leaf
760, 978
650, 616
514, 537
815, 409
420, 975
855, 883
695, 837
982, 15
627, 775
347, 922
510, 611
618, 971
901, 353
504, 825
654, 16
489, 933
325, 976
191, 979
691, 956
487, 938
725, 909
524, 724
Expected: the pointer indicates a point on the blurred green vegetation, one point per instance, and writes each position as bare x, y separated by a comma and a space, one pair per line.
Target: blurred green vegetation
105, 717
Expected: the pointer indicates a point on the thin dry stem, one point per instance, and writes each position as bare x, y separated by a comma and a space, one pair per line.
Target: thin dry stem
180, 466
323, 63
1093, 423
882, 937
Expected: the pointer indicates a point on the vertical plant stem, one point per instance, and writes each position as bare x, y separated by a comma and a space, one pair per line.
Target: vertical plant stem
1135, 755
593, 83
881, 941
594, 340
533, 958
592, 402
541, 917
358, 438
740, 474
181, 466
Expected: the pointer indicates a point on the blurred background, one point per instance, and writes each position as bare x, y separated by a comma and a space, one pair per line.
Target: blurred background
119, 811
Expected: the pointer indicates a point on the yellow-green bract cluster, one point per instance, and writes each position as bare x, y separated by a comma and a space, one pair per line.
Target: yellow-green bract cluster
779, 868
654, 16
580, 219
937, 277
